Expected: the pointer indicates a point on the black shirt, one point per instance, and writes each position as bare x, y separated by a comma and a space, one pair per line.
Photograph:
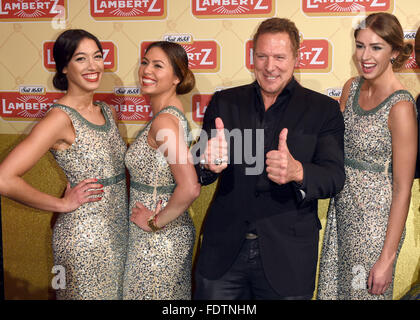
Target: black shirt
268, 120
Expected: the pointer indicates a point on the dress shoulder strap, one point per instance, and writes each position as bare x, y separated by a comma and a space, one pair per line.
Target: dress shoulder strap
76, 117
182, 119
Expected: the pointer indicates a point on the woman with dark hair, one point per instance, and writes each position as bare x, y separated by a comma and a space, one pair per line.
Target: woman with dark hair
366, 220
163, 183
89, 236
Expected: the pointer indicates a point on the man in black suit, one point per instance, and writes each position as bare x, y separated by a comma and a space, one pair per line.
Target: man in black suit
260, 238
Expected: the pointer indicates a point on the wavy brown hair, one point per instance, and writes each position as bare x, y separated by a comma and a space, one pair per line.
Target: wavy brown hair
388, 27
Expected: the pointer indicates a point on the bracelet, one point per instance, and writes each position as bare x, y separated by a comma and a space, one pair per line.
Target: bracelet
151, 222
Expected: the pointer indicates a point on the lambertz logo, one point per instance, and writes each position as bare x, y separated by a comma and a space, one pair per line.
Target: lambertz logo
32, 10
345, 7
233, 8
109, 49
410, 65
29, 103
314, 56
203, 55
199, 106
32, 102
128, 9
131, 107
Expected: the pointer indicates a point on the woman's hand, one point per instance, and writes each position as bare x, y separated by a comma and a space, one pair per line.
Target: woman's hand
81, 193
380, 277
140, 215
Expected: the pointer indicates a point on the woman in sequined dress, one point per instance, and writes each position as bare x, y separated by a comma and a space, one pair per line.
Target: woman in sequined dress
366, 220
90, 233
163, 183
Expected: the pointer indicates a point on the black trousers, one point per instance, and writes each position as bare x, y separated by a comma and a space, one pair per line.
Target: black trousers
245, 280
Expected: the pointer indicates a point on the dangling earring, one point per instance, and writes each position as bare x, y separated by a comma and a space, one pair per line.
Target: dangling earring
392, 60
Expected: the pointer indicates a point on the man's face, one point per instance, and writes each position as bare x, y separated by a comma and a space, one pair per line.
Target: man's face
274, 62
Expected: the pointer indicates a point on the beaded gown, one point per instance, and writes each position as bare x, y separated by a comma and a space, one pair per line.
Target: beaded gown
159, 264
90, 242
358, 216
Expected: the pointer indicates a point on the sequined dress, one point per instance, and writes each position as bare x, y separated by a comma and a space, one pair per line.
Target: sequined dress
358, 216
159, 264
90, 242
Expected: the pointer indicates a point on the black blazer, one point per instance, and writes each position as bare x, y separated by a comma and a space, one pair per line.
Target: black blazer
288, 236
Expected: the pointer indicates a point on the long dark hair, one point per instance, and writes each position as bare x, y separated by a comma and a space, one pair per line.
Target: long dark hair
64, 47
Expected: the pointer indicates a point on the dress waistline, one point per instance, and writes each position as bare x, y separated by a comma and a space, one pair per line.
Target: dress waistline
107, 181
367, 166
151, 189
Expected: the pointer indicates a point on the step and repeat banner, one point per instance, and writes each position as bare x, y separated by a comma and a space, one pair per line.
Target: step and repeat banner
216, 35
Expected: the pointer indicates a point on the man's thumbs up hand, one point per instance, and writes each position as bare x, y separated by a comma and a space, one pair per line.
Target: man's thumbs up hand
216, 157
283, 140
282, 168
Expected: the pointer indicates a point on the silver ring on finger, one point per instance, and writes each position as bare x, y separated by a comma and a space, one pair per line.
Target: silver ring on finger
218, 161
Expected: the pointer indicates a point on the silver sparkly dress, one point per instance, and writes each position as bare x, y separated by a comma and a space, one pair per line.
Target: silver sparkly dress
358, 216
159, 264
90, 242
